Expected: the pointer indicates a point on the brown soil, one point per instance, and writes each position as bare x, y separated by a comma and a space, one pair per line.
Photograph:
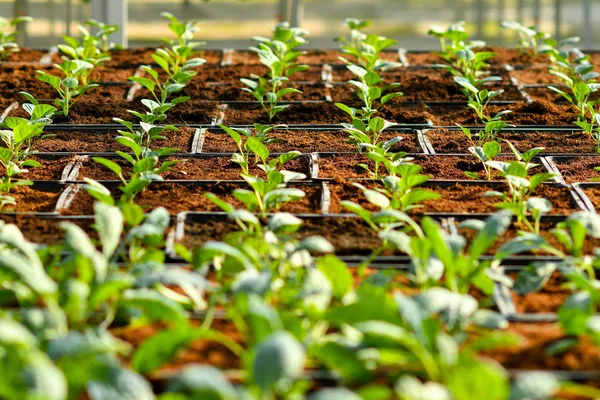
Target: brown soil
200, 90
310, 141
534, 75
424, 85
91, 141
349, 236
177, 197
32, 200
503, 56
202, 351
143, 55
546, 94
25, 56
547, 300
530, 353
345, 166
316, 113
578, 169
457, 198
452, 141
45, 230
593, 194
233, 73
213, 168
536, 113
51, 169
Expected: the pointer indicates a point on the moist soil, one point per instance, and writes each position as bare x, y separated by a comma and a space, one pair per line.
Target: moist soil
318, 113
231, 92
425, 85
547, 300
546, 94
503, 56
316, 56
46, 230
30, 199
51, 168
534, 76
522, 113
456, 198
352, 236
593, 193
24, 56
530, 353
578, 169
99, 141
200, 351
308, 141
178, 197
143, 55
340, 167
213, 168
566, 142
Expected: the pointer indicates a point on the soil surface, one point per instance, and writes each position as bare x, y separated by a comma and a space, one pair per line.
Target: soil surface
530, 353
457, 198
593, 194
578, 169
566, 142
213, 168
547, 300
308, 141
438, 167
178, 197
103, 141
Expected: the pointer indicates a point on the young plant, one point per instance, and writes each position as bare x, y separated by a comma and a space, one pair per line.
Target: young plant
249, 142
72, 83
280, 56
87, 49
529, 38
521, 186
490, 133
478, 99
581, 81
370, 90
17, 147
8, 35
365, 49
103, 32
453, 40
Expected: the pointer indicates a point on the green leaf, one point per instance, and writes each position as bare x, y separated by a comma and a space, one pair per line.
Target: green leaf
338, 274
534, 385
155, 306
120, 383
113, 166
495, 226
486, 380
279, 357
109, 225
255, 145
202, 382
334, 394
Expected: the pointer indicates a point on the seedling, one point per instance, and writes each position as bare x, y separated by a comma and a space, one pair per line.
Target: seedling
529, 38
8, 35
453, 40
103, 34
255, 144
280, 56
18, 147
479, 99
521, 186
72, 85
365, 49
369, 89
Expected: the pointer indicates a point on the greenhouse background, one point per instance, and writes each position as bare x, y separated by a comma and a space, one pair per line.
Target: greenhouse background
230, 23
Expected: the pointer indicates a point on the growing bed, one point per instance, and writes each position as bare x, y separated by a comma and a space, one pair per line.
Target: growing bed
426, 117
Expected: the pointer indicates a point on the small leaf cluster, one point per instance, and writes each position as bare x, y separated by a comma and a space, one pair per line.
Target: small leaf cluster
8, 35
365, 48
529, 38
280, 55
17, 146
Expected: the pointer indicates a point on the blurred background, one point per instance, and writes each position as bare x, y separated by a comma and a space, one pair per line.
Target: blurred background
232, 23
